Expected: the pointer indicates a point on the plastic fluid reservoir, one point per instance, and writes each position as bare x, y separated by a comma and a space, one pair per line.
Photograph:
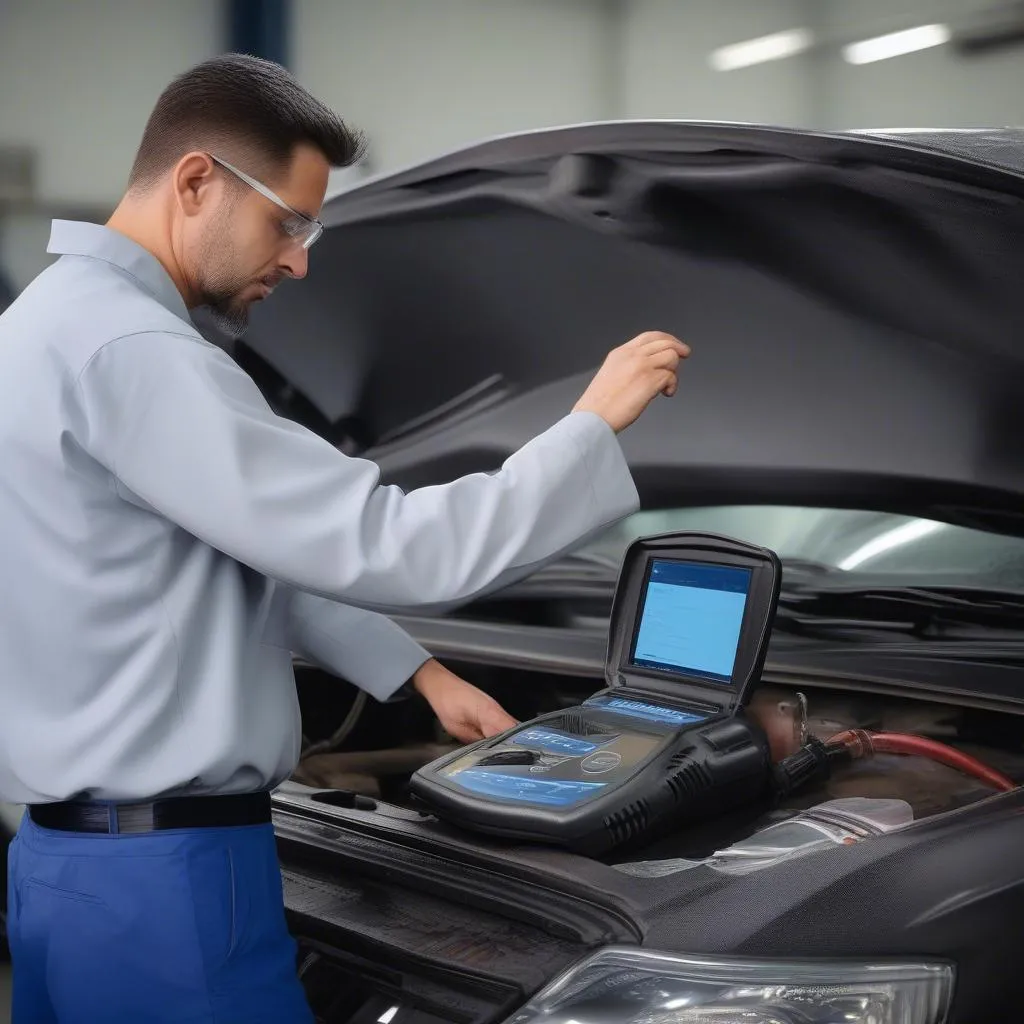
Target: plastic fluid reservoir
834, 823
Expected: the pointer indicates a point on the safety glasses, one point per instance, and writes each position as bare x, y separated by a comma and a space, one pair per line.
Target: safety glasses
305, 230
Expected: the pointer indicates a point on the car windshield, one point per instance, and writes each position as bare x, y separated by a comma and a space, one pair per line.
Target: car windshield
904, 550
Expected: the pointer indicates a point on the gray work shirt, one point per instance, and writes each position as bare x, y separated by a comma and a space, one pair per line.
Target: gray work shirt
167, 542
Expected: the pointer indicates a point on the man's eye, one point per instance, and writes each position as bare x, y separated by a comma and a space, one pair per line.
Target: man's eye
293, 227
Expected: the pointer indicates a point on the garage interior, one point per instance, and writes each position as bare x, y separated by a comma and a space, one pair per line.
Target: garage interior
424, 78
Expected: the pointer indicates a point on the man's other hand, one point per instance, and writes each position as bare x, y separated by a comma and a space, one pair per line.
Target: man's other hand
466, 713
632, 376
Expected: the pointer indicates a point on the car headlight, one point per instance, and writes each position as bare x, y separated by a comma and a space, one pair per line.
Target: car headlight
630, 986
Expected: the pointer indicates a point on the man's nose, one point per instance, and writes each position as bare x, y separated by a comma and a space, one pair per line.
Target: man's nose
295, 262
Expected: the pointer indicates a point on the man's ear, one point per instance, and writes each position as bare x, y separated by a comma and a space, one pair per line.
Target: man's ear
194, 181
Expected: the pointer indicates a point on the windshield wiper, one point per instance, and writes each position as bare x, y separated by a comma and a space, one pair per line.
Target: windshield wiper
954, 613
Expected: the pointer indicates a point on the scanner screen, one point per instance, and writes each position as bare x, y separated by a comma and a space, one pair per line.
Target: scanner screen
690, 619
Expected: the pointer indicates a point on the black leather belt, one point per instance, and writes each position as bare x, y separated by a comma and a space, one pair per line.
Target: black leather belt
160, 815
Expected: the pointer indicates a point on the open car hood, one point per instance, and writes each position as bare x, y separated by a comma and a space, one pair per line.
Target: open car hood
855, 303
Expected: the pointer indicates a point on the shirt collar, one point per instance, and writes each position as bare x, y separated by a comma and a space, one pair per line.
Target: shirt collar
78, 238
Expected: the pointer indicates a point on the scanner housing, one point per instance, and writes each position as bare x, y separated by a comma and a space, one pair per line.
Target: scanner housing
661, 744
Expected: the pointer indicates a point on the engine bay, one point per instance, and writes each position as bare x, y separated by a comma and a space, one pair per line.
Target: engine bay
435, 930
682, 747
370, 767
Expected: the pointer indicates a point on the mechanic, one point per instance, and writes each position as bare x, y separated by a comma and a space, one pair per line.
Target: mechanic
168, 543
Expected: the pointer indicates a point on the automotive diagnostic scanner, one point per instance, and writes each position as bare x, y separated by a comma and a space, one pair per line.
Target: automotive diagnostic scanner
667, 742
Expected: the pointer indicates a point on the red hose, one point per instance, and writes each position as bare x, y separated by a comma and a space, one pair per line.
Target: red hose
862, 743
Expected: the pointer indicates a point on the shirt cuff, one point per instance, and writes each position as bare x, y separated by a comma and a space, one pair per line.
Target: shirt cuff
613, 491
391, 659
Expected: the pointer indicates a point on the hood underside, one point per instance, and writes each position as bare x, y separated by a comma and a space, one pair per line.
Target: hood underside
854, 303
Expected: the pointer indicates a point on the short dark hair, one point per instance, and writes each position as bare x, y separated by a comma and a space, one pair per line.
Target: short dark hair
240, 105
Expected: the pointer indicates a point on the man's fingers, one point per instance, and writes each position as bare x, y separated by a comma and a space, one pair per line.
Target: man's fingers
664, 359
497, 721
668, 359
631, 376
465, 732
652, 338
665, 342
646, 339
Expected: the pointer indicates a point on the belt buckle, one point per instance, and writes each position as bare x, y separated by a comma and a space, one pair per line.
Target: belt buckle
137, 818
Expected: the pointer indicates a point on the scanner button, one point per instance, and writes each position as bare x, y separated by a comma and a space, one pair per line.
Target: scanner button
508, 757
602, 761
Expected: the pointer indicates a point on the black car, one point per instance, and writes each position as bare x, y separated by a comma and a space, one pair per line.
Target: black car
854, 401
856, 307
855, 304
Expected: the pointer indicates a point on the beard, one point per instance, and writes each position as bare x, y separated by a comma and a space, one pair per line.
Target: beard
222, 298
222, 287
227, 312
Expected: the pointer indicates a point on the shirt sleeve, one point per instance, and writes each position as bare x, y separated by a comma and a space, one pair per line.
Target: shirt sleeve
362, 647
188, 434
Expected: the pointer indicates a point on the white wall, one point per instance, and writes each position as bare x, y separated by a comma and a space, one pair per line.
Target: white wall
666, 43
424, 77
665, 48
23, 239
78, 79
933, 88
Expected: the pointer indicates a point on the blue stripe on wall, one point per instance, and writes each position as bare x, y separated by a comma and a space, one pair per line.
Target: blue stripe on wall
259, 27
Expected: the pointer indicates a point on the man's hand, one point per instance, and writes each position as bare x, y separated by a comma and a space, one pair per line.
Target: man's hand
632, 376
466, 713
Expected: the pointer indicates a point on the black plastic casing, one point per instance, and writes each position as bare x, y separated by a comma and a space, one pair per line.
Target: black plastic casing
698, 770
708, 770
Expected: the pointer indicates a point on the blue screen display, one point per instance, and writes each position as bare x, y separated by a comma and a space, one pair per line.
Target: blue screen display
525, 789
691, 619
554, 742
648, 712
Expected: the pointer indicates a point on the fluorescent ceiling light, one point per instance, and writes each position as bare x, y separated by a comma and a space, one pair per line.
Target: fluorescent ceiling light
890, 539
777, 46
896, 44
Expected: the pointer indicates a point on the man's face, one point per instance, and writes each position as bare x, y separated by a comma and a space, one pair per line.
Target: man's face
242, 250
